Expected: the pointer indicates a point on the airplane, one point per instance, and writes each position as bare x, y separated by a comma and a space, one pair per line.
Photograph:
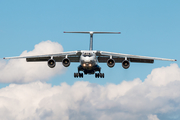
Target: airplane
89, 59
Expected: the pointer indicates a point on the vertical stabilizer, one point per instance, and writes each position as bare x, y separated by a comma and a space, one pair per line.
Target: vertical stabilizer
91, 36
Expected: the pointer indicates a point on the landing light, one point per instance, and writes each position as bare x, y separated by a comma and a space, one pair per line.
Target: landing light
84, 65
90, 65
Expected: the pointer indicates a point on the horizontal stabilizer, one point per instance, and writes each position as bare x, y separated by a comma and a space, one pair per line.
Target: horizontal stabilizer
91, 32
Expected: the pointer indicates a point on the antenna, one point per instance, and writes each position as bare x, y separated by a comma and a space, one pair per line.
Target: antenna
91, 36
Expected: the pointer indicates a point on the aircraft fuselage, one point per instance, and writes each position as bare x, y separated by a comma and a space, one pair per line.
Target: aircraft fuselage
88, 62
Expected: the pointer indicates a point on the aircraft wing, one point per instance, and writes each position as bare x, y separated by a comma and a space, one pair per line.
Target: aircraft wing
119, 57
72, 55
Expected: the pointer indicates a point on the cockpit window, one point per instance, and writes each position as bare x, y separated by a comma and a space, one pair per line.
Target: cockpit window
87, 54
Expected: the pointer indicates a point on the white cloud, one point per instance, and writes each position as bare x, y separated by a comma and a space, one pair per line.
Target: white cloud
19, 71
163, 76
152, 117
132, 100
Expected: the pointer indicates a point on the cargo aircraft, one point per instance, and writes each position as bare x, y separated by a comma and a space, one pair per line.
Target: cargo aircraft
89, 59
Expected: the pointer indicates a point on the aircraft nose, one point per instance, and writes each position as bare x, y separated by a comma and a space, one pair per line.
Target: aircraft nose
87, 60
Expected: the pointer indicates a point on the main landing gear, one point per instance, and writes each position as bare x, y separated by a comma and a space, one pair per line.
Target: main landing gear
76, 75
97, 75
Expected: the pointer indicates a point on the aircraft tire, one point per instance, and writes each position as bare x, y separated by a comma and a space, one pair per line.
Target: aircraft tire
76, 75
96, 75
102, 75
99, 75
81, 75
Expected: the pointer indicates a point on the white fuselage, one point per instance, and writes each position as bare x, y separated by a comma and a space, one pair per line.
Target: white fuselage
88, 59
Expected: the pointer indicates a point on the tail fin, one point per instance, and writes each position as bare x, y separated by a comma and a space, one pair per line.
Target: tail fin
91, 36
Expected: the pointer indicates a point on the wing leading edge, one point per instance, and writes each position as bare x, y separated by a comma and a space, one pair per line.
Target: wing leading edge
72, 55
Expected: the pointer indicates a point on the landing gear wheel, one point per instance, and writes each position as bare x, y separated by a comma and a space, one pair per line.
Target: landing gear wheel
81, 75
101, 75
76, 75
97, 75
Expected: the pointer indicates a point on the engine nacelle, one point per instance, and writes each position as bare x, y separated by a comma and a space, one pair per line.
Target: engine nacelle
125, 64
110, 63
66, 62
51, 63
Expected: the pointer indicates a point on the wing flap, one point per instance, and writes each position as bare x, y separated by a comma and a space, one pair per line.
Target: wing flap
103, 59
74, 58
37, 59
141, 60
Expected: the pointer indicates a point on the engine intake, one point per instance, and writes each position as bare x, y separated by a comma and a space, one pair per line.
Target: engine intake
125, 64
110, 63
51, 63
66, 62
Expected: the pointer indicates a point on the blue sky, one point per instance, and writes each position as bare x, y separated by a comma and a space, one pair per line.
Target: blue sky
148, 28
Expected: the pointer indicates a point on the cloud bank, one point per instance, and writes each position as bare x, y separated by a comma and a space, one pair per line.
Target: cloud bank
19, 71
155, 98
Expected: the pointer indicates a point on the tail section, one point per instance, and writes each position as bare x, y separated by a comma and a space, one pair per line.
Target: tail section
91, 36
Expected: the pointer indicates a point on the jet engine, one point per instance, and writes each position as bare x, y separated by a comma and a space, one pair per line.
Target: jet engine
66, 62
51, 63
125, 64
110, 63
